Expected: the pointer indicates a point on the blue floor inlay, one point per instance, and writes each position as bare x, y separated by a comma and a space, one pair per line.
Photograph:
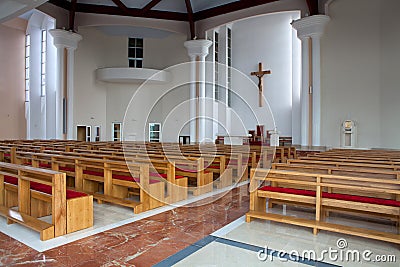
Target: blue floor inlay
177, 257
209, 239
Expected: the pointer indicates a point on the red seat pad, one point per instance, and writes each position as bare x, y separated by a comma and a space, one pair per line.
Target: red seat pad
165, 176
213, 167
74, 194
191, 171
362, 199
7, 155
371, 200
10, 180
44, 165
67, 169
289, 190
44, 188
94, 173
131, 179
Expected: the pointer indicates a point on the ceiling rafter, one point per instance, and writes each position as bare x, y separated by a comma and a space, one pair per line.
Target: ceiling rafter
121, 5
72, 11
61, 3
312, 7
190, 18
228, 8
150, 5
146, 12
115, 10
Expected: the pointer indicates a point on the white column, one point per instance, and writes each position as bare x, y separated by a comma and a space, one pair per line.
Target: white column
311, 27
197, 50
305, 90
65, 40
316, 52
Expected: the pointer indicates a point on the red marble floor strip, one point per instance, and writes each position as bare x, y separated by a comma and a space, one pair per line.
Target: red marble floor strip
141, 243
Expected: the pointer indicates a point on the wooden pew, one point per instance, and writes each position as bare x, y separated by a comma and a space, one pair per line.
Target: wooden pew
117, 177
200, 180
375, 165
320, 200
67, 162
346, 171
37, 193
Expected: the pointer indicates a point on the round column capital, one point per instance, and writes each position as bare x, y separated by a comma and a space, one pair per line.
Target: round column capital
198, 47
65, 39
312, 26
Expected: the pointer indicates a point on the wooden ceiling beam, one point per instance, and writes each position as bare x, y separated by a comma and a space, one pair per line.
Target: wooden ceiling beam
190, 18
150, 5
228, 8
121, 5
72, 15
312, 7
61, 3
133, 12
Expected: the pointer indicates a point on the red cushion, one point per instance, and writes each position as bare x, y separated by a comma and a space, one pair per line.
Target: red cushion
214, 167
44, 188
41, 188
44, 165
289, 190
7, 155
191, 171
371, 200
94, 173
362, 199
131, 179
10, 180
165, 176
67, 169
74, 194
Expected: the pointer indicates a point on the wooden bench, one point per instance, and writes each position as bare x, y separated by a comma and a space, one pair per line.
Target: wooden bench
37, 193
66, 161
200, 181
90, 172
346, 171
380, 166
217, 164
320, 200
116, 178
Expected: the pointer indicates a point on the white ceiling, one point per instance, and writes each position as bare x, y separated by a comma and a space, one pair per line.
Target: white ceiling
164, 5
132, 31
13, 8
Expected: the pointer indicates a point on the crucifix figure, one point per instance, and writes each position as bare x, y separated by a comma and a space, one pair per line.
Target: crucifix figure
260, 74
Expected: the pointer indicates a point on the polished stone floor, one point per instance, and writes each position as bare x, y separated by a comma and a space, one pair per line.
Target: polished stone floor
143, 242
210, 231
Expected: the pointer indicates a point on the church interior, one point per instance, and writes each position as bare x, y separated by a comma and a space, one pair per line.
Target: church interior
199, 133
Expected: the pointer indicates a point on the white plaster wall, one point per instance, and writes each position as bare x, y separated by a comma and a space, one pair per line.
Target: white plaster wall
268, 39
390, 86
94, 51
99, 103
12, 79
351, 72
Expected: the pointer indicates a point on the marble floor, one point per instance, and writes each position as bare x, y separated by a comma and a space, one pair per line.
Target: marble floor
205, 231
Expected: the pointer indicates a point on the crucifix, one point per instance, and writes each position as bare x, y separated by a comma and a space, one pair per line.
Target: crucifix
260, 74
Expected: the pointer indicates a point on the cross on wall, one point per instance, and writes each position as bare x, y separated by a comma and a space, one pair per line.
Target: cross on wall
260, 75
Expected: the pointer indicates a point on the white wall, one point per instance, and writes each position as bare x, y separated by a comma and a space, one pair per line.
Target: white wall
360, 63
99, 103
390, 62
268, 39
12, 79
